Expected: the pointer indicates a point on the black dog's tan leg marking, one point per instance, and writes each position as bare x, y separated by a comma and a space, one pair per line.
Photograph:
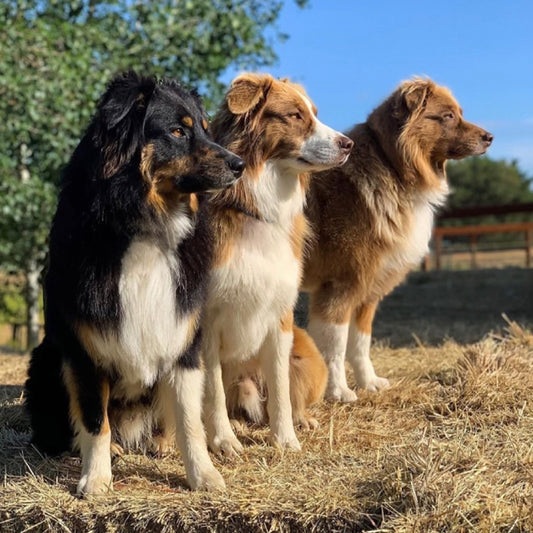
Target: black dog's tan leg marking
88, 398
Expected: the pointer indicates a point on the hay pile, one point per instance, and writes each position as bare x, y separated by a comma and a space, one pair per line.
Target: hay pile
449, 447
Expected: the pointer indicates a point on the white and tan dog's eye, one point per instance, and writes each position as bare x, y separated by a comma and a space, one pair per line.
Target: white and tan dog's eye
296, 115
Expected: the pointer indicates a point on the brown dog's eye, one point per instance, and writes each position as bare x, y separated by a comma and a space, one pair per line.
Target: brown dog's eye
178, 132
449, 116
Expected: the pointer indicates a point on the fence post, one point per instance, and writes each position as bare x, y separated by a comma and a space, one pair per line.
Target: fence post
438, 251
528, 248
473, 249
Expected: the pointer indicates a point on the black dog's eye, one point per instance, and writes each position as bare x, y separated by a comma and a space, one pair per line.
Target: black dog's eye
178, 132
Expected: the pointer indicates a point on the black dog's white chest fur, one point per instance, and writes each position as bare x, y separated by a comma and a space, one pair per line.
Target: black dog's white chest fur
153, 332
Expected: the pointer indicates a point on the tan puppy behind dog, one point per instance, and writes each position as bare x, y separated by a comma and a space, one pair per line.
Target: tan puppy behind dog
372, 219
246, 392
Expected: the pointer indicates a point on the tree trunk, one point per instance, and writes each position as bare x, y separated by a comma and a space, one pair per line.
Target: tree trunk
32, 269
32, 304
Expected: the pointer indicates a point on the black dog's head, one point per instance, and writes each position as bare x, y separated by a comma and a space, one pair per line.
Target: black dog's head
160, 130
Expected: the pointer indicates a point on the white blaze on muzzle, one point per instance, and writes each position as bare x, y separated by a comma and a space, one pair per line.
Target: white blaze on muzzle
323, 147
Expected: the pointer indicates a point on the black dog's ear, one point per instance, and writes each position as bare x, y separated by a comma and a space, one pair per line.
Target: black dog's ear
120, 119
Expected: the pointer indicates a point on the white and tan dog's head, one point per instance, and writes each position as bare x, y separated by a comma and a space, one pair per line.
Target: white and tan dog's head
267, 119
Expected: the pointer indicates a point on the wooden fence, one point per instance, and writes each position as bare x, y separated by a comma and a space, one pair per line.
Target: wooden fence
475, 230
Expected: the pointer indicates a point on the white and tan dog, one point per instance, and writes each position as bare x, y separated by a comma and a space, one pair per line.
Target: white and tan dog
260, 229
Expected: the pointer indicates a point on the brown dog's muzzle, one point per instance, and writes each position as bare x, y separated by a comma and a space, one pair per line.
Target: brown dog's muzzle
472, 140
486, 138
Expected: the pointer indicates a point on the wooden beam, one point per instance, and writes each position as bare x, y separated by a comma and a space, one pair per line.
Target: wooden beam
510, 227
478, 211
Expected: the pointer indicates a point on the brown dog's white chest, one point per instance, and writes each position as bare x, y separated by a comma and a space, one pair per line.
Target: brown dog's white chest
412, 241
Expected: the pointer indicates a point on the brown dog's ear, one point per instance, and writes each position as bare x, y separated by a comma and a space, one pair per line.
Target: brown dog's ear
416, 93
247, 91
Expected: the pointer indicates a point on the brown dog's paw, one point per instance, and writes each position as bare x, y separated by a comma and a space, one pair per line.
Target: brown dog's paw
306, 422
238, 425
160, 446
116, 450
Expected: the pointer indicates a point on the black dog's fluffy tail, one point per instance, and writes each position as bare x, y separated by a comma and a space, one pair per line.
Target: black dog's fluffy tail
47, 401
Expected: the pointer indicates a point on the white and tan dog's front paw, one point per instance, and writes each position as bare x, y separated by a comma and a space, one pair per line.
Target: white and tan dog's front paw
228, 445
289, 442
373, 383
209, 479
340, 394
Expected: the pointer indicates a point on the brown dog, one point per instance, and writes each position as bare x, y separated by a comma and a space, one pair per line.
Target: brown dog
372, 219
246, 391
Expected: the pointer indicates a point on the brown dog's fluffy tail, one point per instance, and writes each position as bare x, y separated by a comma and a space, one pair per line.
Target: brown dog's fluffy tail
246, 398
246, 391
308, 377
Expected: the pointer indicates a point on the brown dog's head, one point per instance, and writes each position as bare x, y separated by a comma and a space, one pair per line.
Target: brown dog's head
429, 127
435, 116
267, 119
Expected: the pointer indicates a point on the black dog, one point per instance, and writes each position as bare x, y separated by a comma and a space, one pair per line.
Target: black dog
130, 252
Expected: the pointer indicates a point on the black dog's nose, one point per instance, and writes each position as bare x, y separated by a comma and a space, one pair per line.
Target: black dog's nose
345, 143
487, 137
236, 165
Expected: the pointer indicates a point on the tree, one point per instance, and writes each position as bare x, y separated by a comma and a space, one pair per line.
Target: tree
481, 181
484, 181
56, 58
25, 208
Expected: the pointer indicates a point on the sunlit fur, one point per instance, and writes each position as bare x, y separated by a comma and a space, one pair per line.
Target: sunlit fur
130, 253
260, 231
372, 219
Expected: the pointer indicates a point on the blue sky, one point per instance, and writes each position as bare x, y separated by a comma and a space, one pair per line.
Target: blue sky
350, 54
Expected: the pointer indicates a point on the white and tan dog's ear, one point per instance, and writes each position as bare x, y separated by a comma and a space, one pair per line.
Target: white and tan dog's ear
246, 91
416, 92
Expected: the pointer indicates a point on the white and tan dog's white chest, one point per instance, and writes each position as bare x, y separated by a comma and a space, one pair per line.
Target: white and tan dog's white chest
253, 290
258, 285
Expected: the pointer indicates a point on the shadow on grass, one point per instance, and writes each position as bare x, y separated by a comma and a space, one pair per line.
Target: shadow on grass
18, 456
12, 350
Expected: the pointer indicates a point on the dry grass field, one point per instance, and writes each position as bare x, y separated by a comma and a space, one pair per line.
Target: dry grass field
484, 259
449, 447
